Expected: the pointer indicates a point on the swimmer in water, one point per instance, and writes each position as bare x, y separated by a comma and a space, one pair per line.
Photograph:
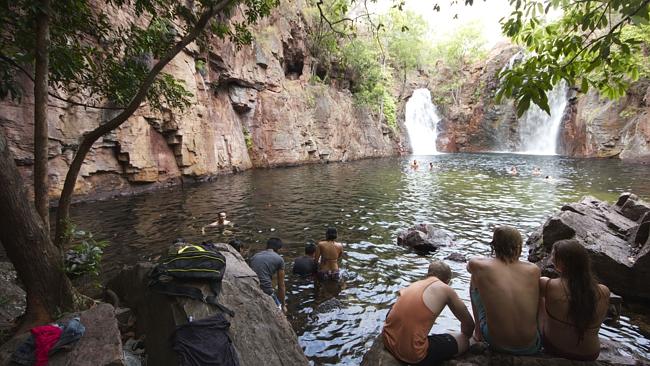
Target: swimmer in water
430, 166
328, 253
513, 170
537, 171
220, 223
415, 165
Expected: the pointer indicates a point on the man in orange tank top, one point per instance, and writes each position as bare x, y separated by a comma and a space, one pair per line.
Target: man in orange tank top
407, 326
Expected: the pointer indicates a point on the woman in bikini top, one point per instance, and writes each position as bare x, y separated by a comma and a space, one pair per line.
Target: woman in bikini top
573, 306
328, 252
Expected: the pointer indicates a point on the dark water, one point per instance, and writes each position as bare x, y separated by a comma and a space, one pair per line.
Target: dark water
369, 202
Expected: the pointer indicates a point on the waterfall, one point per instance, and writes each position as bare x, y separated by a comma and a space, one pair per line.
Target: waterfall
538, 132
421, 123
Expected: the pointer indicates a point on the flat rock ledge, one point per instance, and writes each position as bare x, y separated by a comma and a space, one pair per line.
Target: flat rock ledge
615, 235
259, 331
610, 355
99, 346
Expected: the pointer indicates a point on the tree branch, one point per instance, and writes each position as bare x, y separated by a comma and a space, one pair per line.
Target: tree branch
611, 30
92, 136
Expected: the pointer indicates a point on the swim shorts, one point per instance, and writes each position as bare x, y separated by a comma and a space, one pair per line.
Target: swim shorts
441, 347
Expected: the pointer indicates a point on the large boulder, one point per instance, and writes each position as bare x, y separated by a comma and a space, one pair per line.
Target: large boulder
616, 237
610, 354
260, 332
425, 238
99, 346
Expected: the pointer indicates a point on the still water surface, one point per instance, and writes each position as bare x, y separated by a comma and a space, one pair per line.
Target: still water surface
369, 202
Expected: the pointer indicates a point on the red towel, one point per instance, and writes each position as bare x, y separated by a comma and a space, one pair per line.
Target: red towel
45, 337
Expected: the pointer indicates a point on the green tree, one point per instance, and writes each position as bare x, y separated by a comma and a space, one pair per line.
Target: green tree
595, 43
406, 41
78, 50
456, 51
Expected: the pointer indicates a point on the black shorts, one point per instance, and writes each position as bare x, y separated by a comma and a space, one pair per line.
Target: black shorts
441, 347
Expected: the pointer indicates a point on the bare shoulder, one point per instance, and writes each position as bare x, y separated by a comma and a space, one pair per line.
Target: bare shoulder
531, 268
478, 262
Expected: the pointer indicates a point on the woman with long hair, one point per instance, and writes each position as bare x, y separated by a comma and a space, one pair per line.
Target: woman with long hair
573, 306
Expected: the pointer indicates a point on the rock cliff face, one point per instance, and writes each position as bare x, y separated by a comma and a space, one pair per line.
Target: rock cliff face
252, 107
598, 127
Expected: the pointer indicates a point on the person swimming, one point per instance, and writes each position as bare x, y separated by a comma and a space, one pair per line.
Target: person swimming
221, 222
328, 253
415, 165
513, 170
430, 165
537, 171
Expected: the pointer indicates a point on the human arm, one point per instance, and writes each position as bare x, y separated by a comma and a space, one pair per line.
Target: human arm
317, 255
461, 313
281, 289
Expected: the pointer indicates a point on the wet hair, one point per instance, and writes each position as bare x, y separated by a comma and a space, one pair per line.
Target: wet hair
330, 233
235, 243
274, 243
439, 269
222, 213
310, 248
583, 287
506, 243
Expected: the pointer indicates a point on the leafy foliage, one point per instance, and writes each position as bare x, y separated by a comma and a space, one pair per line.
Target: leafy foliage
85, 255
367, 50
595, 44
105, 62
456, 51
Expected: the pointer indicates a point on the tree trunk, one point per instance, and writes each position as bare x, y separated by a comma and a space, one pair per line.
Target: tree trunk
41, 142
38, 263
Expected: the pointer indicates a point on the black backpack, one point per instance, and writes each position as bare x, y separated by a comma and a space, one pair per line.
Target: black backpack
190, 263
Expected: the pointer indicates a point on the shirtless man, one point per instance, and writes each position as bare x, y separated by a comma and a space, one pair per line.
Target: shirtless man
220, 223
505, 295
409, 321
415, 165
327, 256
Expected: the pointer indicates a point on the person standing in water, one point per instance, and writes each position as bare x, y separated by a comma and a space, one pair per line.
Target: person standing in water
415, 165
328, 253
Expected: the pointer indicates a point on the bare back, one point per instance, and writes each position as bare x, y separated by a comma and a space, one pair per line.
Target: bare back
558, 328
510, 294
327, 255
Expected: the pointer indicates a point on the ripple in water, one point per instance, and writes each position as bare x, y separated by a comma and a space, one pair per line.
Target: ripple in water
369, 201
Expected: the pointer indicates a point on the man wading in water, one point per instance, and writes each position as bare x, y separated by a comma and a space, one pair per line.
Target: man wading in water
327, 255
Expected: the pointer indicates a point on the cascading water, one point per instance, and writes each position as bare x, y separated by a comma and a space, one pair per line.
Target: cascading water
421, 122
538, 132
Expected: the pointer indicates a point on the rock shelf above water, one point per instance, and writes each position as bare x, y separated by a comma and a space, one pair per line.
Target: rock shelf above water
615, 235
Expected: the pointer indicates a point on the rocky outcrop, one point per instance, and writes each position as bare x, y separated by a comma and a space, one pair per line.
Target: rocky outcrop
472, 121
260, 332
12, 299
616, 237
251, 107
600, 127
425, 238
99, 346
610, 354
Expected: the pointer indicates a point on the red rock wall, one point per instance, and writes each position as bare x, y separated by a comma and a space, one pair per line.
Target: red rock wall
261, 91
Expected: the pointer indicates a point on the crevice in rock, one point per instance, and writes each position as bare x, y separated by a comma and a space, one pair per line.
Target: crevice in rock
294, 61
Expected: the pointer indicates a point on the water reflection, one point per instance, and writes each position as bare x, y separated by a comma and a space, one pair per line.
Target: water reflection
369, 202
